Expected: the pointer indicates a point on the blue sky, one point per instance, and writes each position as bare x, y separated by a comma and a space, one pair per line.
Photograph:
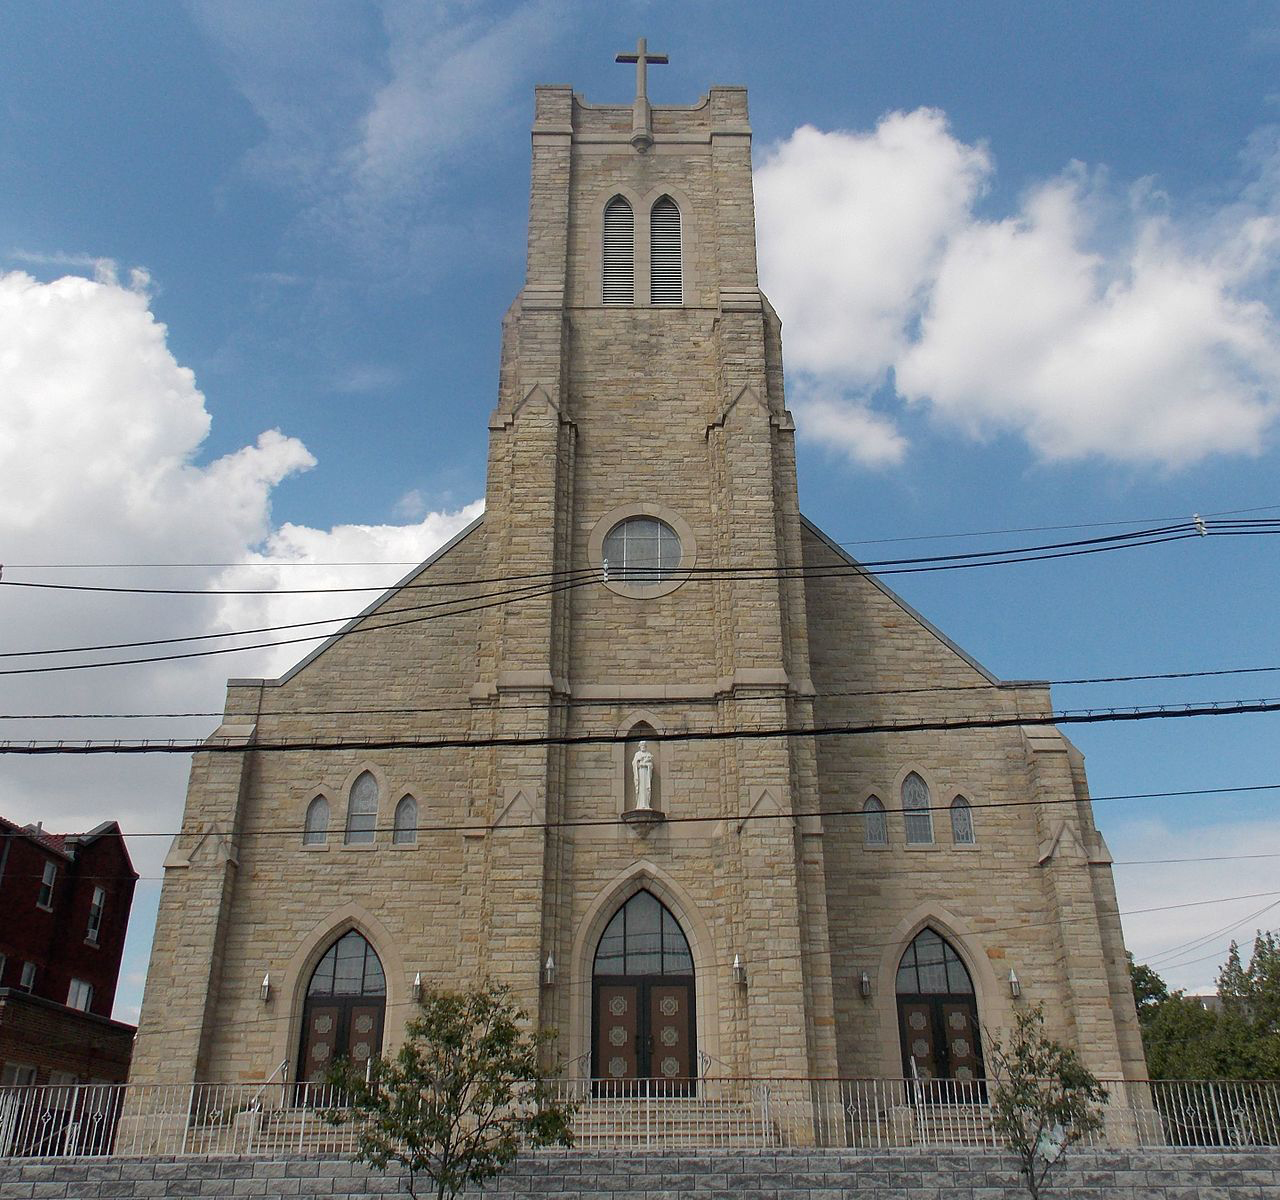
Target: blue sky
1044, 240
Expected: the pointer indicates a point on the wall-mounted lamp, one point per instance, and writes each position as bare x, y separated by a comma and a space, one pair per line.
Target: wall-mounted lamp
549, 971
265, 990
739, 972
864, 985
417, 988
1015, 984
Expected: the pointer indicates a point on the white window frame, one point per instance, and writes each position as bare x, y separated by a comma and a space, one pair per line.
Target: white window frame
80, 995
28, 981
14, 1074
47, 882
97, 906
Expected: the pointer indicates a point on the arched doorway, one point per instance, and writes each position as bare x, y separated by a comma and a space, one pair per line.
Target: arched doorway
937, 1012
344, 1009
643, 999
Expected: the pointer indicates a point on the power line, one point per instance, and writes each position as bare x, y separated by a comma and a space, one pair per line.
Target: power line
1148, 536
413, 562
516, 596
294, 831
650, 702
1066, 717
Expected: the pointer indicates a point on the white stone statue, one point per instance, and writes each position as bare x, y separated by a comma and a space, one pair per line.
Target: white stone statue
642, 776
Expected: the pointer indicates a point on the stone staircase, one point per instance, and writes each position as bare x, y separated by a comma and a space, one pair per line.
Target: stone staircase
673, 1122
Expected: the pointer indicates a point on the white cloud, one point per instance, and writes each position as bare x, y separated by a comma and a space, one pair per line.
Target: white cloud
1086, 323
848, 426
1187, 945
99, 455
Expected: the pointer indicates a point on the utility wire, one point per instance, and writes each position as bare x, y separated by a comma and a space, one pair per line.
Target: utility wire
376, 621
650, 702
413, 562
1066, 717
294, 831
1147, 536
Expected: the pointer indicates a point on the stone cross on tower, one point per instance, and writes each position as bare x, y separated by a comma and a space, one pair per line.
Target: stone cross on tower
641, 121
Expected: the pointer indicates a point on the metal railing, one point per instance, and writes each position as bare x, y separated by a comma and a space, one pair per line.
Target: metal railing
271, 1119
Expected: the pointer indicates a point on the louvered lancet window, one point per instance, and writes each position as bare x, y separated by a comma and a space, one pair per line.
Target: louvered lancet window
666, 267
619, 252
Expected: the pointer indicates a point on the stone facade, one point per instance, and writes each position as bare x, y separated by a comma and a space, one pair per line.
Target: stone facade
604, 413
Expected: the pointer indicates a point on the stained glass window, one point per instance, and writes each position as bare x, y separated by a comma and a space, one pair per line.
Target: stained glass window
405, 831
931, 967
362, 810
316, 830
962, 831
350, 967
916, 815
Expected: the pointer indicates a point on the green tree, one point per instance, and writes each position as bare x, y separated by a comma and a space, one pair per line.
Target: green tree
1183, 1040
1044, 1100
460, 1097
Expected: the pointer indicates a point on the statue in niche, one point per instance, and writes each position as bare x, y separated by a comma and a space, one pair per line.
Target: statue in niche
642, 777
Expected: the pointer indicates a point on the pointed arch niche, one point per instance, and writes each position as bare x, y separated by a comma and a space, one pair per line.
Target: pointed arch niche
993, 1003
639, 726
295, 978
708, 970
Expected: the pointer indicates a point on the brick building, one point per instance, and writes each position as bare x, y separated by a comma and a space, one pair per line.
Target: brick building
64, 909
800, 905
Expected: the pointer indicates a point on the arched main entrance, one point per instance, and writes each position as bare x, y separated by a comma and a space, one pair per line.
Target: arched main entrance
344, 1009
937, 1012
643, 999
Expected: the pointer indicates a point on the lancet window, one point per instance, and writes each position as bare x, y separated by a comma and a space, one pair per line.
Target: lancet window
315, 831
666, 260
962, 831
875, 826
405, 826
917, 818
362, 811
619, 252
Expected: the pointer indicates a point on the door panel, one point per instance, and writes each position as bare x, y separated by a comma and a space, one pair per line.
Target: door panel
915, 1019
670, 1041
960, 1033
617, 1031
321, 1037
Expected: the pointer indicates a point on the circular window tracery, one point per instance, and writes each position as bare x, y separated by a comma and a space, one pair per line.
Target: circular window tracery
642, 551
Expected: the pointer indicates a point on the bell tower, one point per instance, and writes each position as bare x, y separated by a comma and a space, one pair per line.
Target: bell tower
641, 441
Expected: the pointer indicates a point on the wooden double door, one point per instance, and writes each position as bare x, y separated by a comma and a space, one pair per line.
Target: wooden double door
940, 1038
643, 1029
335, 1027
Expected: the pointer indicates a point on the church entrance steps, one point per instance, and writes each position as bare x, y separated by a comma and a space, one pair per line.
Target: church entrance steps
270, 1120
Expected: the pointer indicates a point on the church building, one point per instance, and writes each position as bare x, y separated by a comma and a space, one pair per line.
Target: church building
590, 748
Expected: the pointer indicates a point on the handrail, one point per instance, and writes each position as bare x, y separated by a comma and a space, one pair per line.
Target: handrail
254, 1106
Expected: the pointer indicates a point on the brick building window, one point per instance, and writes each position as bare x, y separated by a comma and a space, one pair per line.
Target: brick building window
17, 1075
45, 899
95, 915
915, 808
80, 995
28, 980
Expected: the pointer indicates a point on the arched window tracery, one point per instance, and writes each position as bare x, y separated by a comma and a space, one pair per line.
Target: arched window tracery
345, 1007
362, 810
315, 829
917, 817
875, 825
405, 826
962, 830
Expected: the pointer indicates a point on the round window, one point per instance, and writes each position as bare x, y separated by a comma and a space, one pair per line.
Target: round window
641, 551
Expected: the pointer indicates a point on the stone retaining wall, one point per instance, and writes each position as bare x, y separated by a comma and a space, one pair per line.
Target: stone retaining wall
669, 1175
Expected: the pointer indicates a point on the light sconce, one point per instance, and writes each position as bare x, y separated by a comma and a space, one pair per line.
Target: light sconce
417, 988
265, 990
1015, 984
864, 985
549, 971
739, 972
